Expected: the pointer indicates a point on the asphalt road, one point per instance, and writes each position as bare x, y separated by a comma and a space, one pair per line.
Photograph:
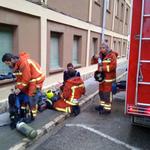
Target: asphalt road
91, 131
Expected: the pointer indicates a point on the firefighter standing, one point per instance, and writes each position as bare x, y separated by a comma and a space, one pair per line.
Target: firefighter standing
107, 63
29, 78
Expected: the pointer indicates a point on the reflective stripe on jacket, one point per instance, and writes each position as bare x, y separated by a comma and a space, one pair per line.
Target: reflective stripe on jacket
109, 65
27, 71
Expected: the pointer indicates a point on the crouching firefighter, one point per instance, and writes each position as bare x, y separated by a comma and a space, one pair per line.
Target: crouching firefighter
107, 63
73, 89
29, 78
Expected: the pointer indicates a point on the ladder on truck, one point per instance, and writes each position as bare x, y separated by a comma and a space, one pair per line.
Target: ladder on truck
139, 77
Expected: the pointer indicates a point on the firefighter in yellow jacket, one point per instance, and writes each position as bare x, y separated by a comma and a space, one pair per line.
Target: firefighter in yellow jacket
107, 63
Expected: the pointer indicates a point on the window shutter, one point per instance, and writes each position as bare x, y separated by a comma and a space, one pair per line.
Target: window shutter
6, 46
75, 50
94, 46
54, 52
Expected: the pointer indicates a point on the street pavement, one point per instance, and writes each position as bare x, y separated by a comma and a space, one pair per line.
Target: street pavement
92, 131
9, 138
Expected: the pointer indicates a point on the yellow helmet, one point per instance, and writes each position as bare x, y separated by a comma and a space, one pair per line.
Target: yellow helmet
49, 94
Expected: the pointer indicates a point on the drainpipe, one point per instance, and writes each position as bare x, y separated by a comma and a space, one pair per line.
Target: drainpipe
113, 23
89, 33
43, 43
90, 11
104, 20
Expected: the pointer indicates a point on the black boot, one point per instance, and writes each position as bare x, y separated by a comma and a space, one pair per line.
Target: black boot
99, 108
104, 111
75, 110
107, 111
12, 122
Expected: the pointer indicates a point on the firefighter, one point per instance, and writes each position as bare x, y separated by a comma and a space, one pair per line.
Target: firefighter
29, 78
107, 63
73, 90
64, 104
70, 72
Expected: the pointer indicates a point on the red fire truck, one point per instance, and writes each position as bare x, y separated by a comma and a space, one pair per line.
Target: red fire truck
138, 81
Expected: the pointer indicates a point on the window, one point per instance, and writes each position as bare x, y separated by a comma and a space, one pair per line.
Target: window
124, 49
6, 45
117, 8
55, 50
75, 50
107, 4
114, 46
127, 15
94, 46
122, 12
119, 48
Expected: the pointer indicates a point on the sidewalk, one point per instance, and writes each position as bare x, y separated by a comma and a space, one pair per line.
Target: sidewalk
5, 90
48, 119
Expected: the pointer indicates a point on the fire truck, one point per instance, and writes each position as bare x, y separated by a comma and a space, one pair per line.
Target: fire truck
138, 79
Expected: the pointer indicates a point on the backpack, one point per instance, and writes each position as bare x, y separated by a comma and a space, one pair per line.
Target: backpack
18, 110
42, 104
14, 111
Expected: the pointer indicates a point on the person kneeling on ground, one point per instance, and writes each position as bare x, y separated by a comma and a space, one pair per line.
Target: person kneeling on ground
72, 90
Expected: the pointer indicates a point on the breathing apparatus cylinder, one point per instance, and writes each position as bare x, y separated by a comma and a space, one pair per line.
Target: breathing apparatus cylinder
26, 130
